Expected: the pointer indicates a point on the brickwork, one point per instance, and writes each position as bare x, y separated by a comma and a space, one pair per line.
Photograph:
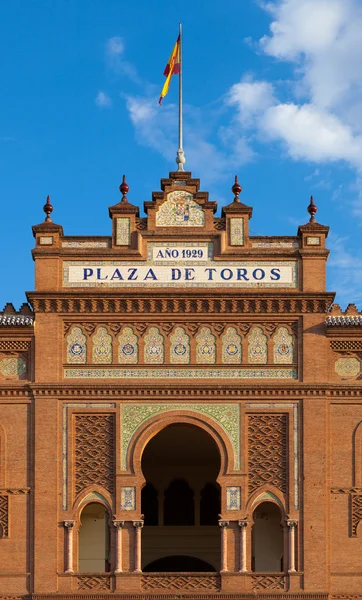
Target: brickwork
259, 361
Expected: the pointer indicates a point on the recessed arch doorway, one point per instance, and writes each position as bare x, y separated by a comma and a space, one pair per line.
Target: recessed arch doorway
181, 500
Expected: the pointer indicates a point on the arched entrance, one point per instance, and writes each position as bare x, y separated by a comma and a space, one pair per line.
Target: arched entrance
267, 538
94, 539
181, 501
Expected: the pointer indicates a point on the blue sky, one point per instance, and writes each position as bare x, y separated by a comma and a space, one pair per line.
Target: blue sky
272, 92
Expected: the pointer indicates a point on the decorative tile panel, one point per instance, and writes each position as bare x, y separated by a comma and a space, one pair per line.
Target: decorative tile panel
267, 450
13, 367
205, 346
154, 347
102, 346
233, 498
180, 210
313, 241
128, 498
179, 347
85, 244
231, 347
123, 234
226, 415
127, 346
46, 240
76, 346
236, 231
283, 346
257, 346
175, 373
347, 367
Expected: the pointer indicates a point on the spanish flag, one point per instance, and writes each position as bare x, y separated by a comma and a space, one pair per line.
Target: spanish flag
172, 67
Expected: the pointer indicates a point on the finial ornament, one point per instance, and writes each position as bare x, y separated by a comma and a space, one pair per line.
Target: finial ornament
124, 189
48, 209
236, 189
180, 159
312, 209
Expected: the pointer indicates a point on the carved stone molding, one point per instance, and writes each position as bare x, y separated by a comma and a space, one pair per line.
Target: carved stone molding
15, 491
356, 510
268, 582
269, 305
180, 582
14, 345
4, 516
86, 583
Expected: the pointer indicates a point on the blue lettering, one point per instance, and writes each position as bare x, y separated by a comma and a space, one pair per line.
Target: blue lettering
159, 254
241, 274
262, 274
189, 274
226, 274
167, 253
150, 275
275, 274
175, 274
116, 275
99, 275
210, 274
132, 275
87, 273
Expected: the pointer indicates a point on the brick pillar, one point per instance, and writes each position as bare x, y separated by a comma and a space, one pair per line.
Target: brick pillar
69, 526
243, 559
118, 563
137, 549
224, 550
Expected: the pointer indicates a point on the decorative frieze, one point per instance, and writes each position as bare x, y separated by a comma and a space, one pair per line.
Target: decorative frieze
178, 373
4, 515
152, 581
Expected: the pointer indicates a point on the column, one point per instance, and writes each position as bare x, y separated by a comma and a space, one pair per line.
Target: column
224, 549
137, 549
118, 563
69, 525
291, 527
243, 564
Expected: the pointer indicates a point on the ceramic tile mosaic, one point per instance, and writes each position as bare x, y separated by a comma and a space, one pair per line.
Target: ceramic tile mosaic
180, 210
236, 231
127, 347
226, 415
128, 498
257, 346
86, 244
46, 240
123, 235
231, 346
94, 497
179, 373
102, 346
294, 244
13, 366
65, 425
283, 346
347, 367
76, 346
161, 274
179, 347
205, 347
313, 241
294, 407
154, 347
233, 498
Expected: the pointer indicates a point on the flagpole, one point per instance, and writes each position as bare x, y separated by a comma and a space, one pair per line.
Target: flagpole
180, 157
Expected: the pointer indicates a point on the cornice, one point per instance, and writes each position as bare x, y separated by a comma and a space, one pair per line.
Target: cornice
266, 302
207, 392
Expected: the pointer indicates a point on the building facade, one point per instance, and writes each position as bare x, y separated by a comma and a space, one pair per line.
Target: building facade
181, 411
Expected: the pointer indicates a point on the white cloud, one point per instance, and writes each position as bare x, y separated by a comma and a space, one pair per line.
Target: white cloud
250, 98
102, 100
312, 134
115, 46
114, 54
156, 127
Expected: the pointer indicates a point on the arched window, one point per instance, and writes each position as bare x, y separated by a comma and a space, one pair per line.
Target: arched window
94, 539
267, 538
149, 504
179, 506
210, 504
